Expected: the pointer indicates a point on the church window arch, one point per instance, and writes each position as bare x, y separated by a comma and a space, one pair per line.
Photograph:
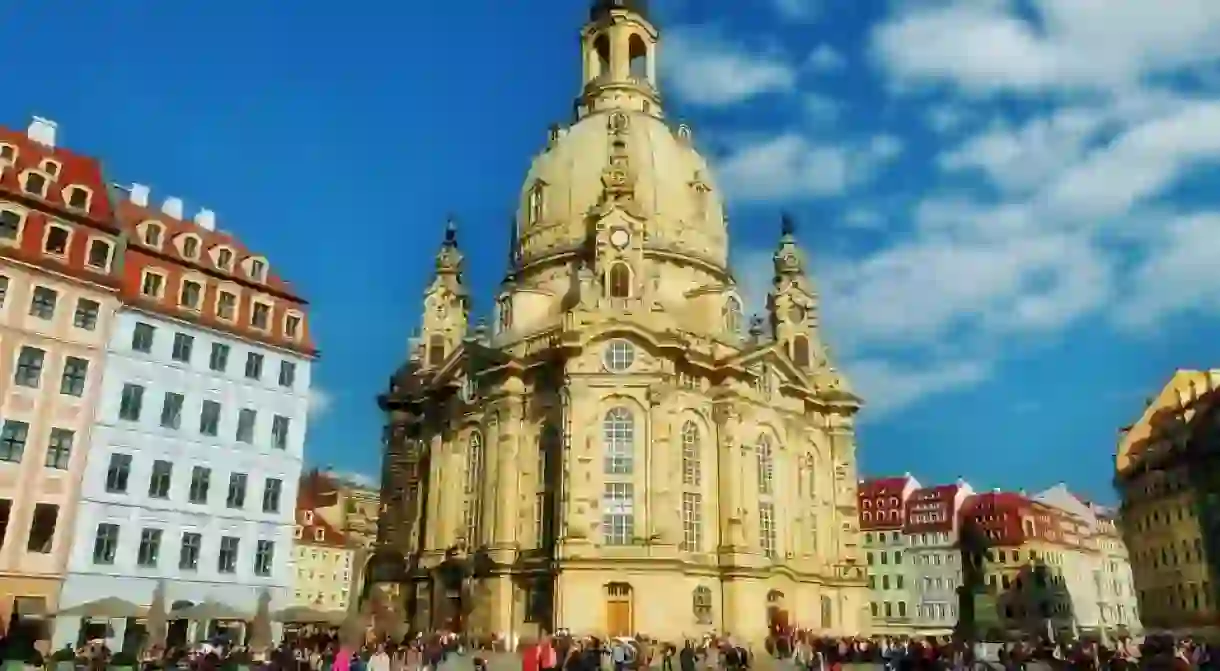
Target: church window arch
732, 316
601, 54
618, 281
702, 602
766, 465
637, 58
618, 434
436, 350
800, 351
692, 467
474, 481
549, 448
504, 314
537, 203
811, 475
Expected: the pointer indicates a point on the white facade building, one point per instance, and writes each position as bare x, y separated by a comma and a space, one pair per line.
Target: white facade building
193, 475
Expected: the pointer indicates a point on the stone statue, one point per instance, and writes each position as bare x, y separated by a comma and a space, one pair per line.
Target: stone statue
976, 606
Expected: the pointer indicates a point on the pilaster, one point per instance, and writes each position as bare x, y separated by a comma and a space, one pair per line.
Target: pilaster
663, 507
507, 486
731, 522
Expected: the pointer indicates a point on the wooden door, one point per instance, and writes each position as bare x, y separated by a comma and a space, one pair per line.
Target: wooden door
618, 610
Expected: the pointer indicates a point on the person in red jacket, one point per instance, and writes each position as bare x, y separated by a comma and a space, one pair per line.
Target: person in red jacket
529, 655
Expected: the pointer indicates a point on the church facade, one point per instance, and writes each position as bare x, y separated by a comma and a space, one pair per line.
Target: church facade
621, 452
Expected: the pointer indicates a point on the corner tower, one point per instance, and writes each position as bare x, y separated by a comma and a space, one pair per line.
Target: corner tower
446, 304
618, 50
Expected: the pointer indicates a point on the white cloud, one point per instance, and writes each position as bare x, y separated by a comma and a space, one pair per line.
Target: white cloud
792, 166
320, 402
1062, 45
1177, 274
825, 59
703, 67
887, 387
799, 10
356, 478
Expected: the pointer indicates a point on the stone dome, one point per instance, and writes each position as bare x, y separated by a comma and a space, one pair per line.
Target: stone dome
674, 190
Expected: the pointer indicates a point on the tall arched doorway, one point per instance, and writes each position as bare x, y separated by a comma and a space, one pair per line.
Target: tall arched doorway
777, 612
618, 609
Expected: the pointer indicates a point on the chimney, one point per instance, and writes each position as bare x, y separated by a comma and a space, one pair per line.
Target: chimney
206, 219
42, 131
138, 194
995, 490
172, 207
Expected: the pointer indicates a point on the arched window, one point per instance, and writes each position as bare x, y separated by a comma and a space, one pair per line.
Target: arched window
692, 471
504, 314
601, 48
537, 204
474, 483
618, 281
637, 53
702, 602
800, 351
811, 475
732, 316
546, 493
436, 350
618, 434
766, 465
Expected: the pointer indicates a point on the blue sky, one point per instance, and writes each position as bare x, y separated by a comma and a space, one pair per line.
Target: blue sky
1010, 205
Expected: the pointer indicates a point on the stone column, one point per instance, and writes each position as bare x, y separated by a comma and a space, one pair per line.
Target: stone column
580, 493
507, 486
664, 528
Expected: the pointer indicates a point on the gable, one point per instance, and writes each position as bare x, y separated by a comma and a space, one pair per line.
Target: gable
1183, 384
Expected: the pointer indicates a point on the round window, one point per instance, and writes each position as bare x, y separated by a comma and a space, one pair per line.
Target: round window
619, 356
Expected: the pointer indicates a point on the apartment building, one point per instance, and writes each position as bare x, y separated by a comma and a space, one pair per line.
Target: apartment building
58, 297
882, 505
324, 571
931, 528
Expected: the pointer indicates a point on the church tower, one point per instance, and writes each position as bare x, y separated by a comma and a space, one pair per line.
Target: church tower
792, 303
618, 51
446, 304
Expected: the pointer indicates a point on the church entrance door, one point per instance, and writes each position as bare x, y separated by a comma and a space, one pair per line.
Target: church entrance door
618, 609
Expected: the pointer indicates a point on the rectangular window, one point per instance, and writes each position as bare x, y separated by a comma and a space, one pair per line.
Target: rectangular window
152, 285
692, 522
10, 222
227, 560
12, 440
59, 448
245, 425
226, 305
142, 337
160, 480
263, 557
86, 314
4, 282
271, 495
279, 432
99, 250
766, 527
237, 491
192, 294
42, 304
117, 473
254, 366
76, 371
292, 326
171, 410
183, 345
131, 402
42, 528
150, 548
209, 418
6, 511
105, 543
288, 374
29, 367
260, 316
188, 554
618, 513
219, 360
201, 480
56, 241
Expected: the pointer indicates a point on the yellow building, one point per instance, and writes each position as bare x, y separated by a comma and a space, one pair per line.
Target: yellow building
1168, 474
324, 564
622, 453
58, 296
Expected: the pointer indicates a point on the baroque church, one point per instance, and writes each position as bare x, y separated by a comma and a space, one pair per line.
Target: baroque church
620, 452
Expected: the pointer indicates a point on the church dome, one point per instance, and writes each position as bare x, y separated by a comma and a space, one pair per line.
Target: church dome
674, 192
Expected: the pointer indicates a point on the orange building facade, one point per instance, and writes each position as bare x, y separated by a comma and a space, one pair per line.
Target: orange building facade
58, 252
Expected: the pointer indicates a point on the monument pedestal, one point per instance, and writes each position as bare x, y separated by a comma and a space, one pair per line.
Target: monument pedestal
977, 616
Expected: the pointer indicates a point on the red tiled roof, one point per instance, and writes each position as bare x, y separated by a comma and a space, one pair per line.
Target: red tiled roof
74, 169
314, 529
878, 486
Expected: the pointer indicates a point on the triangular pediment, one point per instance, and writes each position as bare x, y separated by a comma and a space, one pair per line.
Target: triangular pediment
774, 355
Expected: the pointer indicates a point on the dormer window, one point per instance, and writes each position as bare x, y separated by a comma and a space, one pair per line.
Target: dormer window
260, 315
10, 224
52, 168
152, 234
292, 326
224, 259
77, 197
226, 305
190, 247
8, 153
258, 270
55, 241
308, 517
35, 184
191, 295
99, 254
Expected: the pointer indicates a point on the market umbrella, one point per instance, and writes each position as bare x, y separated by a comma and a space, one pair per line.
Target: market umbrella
111, 607
158, 620
209, 610
260, 628
304, 615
